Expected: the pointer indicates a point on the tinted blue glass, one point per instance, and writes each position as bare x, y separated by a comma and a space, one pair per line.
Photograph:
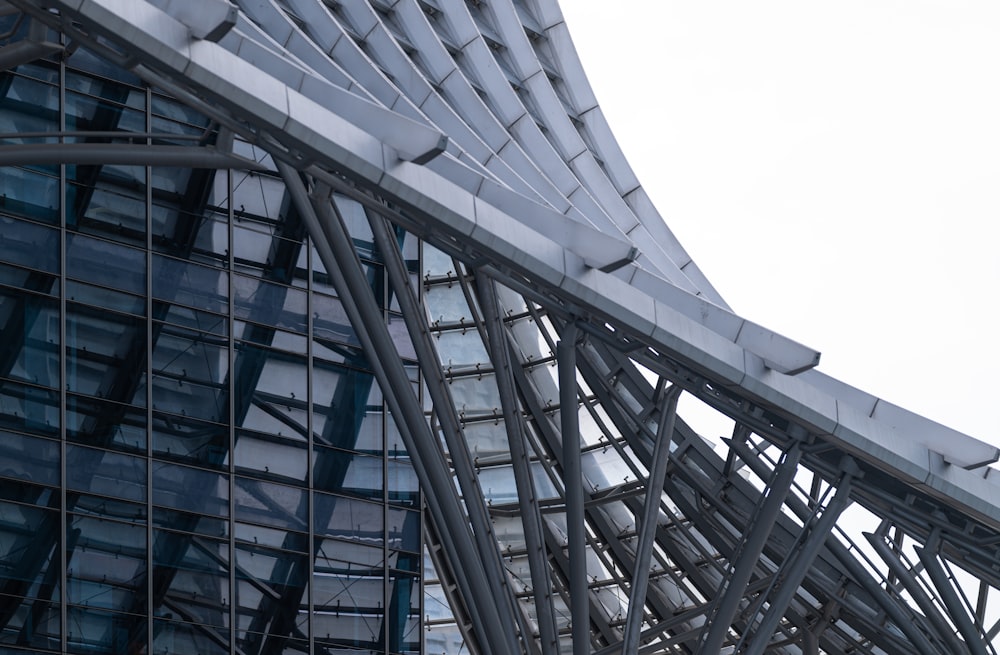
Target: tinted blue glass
29, 244
271, 504
105, 263
201, 287
106, 473
97, 422
31, 459
191, 490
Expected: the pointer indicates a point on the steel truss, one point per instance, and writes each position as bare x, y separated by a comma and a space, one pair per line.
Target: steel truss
614, 526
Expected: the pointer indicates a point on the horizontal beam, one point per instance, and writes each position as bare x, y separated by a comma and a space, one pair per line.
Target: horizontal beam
123, 154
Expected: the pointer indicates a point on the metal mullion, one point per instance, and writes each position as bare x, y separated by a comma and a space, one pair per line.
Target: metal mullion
150, 631
310, 446
231, 378
63, 555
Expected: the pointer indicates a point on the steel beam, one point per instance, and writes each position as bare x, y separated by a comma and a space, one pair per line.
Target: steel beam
960, 617
444, 408
124, 154
650, 514
718, 624
796, 570
333, 244
913, 586
531, 519
573, 485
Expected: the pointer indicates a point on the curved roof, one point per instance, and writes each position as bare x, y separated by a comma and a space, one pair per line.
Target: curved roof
472, 125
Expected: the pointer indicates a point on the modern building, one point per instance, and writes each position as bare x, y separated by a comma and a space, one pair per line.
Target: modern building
343, 326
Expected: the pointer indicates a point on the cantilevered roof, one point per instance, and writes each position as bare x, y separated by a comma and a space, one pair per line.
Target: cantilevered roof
471, 125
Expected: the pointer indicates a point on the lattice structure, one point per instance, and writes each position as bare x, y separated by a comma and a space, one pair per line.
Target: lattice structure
340, 326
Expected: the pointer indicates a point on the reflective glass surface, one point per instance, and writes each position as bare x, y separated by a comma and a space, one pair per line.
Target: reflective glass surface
177, 366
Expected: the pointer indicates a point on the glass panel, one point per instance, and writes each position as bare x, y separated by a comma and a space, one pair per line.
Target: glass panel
102, 348
190, 489
111, 474
105, 298
106, 566
346, 472
29, 244
348, 518
29, 458
269, 304
194, 573
271, 504
201, 287
29, 330
106, 424
96, 631
186, 439
105, 263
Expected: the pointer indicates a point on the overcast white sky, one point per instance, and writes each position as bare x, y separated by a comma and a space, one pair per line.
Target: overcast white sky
834, 169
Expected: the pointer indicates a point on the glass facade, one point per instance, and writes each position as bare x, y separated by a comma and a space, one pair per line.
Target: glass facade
194, 456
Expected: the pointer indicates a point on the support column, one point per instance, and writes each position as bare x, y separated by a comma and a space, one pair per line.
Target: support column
333, 244
531, 518
913, 586
719, 622
973, 638
444, 407
650, 514
796, 570
573, 484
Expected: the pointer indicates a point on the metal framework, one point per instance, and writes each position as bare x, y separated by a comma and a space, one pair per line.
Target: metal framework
545, 364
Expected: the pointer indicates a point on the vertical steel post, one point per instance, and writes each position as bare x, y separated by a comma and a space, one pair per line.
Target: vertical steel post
573, 484
719, 622
650, 514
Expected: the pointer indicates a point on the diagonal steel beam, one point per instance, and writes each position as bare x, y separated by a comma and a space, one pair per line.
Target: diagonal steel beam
541, 580
960, 617
651, 511
334, 246
444, 407
795, 570
717, 627
917, 592
573, 478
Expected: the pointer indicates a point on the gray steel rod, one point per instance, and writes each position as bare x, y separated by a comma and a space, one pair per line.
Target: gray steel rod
749, 556
444, 407
912, 585
573, 484
126, 154
799, 566
339, 258
531, 518
858, 573
650, 514
973, 637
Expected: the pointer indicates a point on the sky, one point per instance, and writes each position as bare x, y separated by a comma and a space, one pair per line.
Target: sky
833, 168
